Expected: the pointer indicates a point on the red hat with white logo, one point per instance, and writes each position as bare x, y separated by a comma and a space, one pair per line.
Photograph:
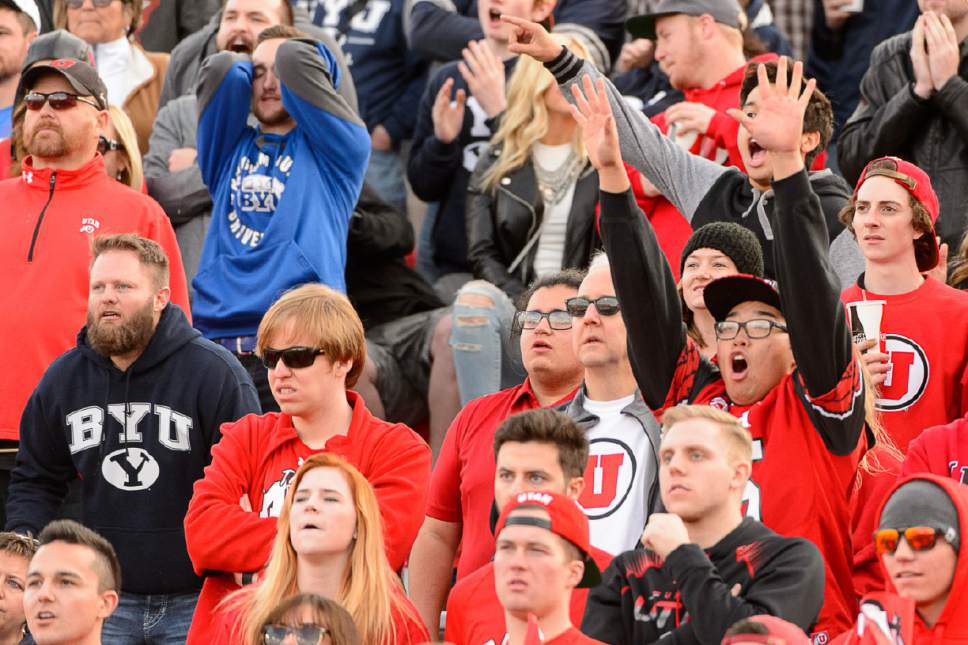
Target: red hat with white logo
916, 182
565, 518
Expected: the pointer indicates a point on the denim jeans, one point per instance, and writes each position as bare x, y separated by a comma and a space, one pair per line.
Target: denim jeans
156, 619
385, 176
425, 245
486, 356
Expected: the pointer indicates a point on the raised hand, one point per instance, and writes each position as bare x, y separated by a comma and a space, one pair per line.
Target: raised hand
532, 39
923, 85
594, 116
636, 54
944, 54
484, 73
777, 125
448, 117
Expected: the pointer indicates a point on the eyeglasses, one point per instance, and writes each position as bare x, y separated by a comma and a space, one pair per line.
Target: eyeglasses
98, 4
557, 319
293, 357
919, 538
58, 100
305, 634
756, 328
105, 145
606, 305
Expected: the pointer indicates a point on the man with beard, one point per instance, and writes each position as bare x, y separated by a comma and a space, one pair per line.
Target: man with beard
18, 27
282, 192
133, 411
62, 198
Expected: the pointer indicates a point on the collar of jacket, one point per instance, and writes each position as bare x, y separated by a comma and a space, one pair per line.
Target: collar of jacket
522, 183
585, 419
39, 178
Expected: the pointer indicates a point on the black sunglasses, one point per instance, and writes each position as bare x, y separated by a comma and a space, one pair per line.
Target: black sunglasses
606, 305
293, 357
105, 145
305, 634
58, 100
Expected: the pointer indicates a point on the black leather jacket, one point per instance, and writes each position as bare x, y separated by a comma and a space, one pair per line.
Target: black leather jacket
501, 223
933, 133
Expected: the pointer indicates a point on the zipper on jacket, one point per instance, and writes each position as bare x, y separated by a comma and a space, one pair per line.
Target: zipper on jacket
40, 218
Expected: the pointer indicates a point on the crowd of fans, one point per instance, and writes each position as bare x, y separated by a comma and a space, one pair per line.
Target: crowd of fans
487, 322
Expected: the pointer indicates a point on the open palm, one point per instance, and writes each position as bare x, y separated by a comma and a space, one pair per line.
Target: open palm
594, 116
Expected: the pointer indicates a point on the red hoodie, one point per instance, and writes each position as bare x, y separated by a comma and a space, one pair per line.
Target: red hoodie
258, 456
941, 450
50, 219
952, 624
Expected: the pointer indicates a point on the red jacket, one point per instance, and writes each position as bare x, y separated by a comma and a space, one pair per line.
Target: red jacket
45, 253
942, 451
258, 456
952, 624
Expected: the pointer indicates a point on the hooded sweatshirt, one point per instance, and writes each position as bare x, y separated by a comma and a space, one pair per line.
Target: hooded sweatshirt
50, 218
941, 450
137, 477
952, 624
259, 457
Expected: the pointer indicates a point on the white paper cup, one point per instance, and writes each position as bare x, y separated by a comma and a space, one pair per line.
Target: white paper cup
865, 319
855, 6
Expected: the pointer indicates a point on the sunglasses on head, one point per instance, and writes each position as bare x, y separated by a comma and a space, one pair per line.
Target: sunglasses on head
919, 538
293, 357
58, 100
305, 634
606, 305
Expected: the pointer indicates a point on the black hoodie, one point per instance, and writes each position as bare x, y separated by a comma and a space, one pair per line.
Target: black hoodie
136, 484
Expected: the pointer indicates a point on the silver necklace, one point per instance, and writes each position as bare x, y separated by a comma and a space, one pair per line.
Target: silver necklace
553, 184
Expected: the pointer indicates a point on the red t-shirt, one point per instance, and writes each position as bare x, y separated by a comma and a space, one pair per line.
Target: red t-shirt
572, 637
462, 486
475, 615
799, 486
925, 336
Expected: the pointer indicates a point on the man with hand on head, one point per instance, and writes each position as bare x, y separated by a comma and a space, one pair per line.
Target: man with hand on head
786, 363
542, 556
704, 565
73, 584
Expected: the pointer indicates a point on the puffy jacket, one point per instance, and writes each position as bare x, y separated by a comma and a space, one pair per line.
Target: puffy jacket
933, 133
501, 224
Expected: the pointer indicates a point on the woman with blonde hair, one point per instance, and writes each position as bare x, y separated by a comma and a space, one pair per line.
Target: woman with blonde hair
118, 144
530, 212
311, 345
329, 541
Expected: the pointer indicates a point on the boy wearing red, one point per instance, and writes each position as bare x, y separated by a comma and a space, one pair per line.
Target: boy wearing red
462, 487
535, 450
542, 554
941, 450
921, 365
312, 344
786, 366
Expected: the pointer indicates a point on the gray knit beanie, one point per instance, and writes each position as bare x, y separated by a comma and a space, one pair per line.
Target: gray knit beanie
922, 503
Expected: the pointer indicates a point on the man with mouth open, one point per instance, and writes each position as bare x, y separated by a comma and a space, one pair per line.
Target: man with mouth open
73, 584
703, 566
786, 363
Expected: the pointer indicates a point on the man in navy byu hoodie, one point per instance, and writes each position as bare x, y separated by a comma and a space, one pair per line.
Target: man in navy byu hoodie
133, 411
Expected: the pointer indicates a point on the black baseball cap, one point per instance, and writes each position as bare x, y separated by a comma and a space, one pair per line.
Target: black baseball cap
726, 12
57, 44
82, 77
723, 294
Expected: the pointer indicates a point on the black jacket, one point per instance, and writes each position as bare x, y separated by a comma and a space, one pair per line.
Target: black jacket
379, 283
136, 483
688, 598
891, 120
501, 224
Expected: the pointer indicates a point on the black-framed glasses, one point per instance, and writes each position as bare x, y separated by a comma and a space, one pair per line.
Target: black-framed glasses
557, 319
98, 4
105, 145
294, 357
755, 329
919, 538
305, 634
605, 305
58, 100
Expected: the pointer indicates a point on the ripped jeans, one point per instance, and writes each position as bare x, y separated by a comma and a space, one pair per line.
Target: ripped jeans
486, 357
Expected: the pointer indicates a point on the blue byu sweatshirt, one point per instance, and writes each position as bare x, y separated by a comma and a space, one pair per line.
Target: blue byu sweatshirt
281, 203
138, 476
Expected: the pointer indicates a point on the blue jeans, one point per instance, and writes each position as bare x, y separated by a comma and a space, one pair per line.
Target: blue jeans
157, 619
486, 356
425, 245
385, 176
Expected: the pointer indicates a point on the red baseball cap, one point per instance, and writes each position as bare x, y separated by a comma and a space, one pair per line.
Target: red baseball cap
566, 518
780, 632
914, 180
